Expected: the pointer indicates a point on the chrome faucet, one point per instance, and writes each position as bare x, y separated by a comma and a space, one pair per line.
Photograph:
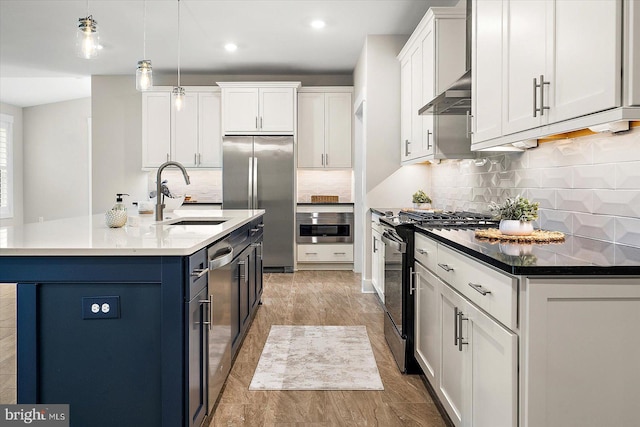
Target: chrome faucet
159, 204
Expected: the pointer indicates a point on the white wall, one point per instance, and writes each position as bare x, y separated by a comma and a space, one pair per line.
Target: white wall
18, 203
56, 160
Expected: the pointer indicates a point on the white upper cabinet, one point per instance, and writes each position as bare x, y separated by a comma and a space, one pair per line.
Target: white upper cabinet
258, 108
156, 128
325, 127
432, 59
191, 136
560, 64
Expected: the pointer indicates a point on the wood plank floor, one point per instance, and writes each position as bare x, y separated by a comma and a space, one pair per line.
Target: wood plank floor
322, 298
301, 298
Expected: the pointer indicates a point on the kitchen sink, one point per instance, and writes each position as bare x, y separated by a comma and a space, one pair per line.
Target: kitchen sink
198, 222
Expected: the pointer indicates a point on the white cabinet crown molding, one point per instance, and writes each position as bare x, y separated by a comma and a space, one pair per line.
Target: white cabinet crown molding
295, 85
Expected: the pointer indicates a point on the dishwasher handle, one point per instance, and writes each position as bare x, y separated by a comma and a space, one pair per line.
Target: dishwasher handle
221, 260
398, 246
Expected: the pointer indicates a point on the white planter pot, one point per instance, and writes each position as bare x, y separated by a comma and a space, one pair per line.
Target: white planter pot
514, 227
422, 205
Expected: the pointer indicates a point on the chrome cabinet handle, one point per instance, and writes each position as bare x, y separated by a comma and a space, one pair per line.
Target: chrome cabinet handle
469, 124
479, 288
422, 251
167, 157
375, 248
445, 267
322, 159
339, 253
311, 253
535, 100
412, 275
257, 123
429, 133
461, 341
260, 122
406, 147
199, 272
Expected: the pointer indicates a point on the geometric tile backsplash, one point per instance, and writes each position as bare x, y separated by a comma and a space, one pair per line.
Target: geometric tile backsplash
587, 186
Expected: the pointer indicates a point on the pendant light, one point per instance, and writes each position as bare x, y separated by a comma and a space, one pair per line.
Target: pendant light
87, 40
144, 72
178, 91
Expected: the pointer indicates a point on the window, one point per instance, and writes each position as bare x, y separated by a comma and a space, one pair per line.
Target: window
6, 166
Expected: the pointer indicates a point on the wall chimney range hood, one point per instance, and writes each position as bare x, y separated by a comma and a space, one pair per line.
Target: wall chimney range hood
455, 100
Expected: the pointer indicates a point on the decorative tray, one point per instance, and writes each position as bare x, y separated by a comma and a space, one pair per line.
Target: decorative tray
538, 236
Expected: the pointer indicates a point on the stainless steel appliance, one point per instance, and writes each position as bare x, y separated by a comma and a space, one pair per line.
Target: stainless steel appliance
324, 227
398, 237
258, 173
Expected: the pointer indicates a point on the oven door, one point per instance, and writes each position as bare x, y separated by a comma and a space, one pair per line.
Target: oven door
394, 250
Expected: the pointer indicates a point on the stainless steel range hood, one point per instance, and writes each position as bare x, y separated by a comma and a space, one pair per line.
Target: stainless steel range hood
456, 99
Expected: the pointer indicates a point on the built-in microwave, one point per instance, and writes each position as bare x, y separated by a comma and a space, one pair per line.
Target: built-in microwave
324, 227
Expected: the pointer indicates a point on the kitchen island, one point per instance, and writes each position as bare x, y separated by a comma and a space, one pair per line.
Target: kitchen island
106, 321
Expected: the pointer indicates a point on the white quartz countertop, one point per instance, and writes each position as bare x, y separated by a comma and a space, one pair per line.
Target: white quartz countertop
90, 236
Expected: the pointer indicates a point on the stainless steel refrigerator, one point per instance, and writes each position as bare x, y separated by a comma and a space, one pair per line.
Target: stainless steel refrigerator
258, 173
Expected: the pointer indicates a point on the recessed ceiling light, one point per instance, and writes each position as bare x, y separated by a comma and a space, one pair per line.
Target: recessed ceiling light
318, 24
230, 47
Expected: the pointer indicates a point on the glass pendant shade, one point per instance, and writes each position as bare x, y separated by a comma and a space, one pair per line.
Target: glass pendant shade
144, 75
178, 97
87, 39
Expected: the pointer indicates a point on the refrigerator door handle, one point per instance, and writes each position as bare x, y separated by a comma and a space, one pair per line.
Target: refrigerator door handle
250, 185
255, 183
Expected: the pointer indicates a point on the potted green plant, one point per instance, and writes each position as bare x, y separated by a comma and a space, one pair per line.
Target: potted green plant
515, 215
421, 200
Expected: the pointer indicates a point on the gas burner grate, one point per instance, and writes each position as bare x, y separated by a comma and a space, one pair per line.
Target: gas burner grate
449, 220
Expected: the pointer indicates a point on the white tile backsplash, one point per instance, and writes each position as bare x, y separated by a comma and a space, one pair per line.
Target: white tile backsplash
325, 182
587, 186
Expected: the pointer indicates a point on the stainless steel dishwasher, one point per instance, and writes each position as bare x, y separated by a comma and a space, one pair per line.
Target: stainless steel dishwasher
220, 256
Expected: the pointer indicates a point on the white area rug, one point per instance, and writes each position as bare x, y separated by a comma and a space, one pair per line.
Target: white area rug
317, 358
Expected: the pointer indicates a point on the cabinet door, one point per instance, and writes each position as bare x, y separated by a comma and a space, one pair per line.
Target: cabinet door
486, 70
376, 276
416, 102
427, 327
156, 128
524, 58
209, 130
582, 85
583, 351
276, 110
405, 109
185, 131
311, 130
493, 367
451, 382
337, 130
240, 110
197, 363
428, 87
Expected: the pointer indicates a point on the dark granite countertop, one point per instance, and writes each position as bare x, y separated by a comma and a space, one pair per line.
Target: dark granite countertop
575, 256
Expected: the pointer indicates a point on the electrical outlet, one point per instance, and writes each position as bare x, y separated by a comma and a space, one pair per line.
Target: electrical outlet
101, 307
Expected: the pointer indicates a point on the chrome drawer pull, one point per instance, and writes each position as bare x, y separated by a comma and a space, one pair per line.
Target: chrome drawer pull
479, 288
445, 267
412, 275
461, 340
422, 251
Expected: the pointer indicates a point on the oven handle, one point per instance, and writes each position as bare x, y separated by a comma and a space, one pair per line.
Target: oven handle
398, 246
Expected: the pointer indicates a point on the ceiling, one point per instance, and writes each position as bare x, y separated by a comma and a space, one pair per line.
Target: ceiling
37, 39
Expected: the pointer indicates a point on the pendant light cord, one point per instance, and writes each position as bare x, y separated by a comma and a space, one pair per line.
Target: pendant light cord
144, 29
178, 43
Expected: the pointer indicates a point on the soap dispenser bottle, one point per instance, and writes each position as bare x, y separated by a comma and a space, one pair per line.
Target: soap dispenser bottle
116, 217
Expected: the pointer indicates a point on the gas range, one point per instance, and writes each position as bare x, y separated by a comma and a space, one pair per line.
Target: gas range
458, 220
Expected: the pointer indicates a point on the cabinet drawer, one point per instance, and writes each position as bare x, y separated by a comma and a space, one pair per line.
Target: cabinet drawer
197, 273
325, 253
491, 290
426, 251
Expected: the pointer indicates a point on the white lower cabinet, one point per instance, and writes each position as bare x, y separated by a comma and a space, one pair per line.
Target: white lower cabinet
427, 320
470, 359
581, 351
328, 253
377, 262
